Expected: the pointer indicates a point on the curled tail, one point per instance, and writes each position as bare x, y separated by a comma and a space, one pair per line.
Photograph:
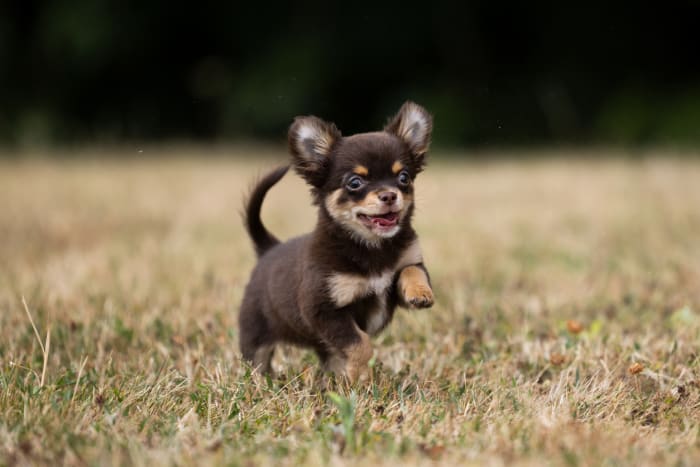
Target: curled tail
262, 239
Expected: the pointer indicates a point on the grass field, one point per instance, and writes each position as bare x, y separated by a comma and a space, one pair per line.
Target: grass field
566, 329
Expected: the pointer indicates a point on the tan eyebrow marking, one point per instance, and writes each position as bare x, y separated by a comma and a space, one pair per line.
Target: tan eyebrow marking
361, 170
397, 167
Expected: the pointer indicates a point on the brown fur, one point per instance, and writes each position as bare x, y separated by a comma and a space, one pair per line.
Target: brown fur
333, 288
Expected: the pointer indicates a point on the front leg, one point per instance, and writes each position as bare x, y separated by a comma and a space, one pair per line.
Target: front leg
347, 348
414, 287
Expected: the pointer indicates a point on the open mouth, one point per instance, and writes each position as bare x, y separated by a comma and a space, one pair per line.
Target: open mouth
380, 221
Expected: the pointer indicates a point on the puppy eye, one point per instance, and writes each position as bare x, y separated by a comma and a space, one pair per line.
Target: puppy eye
355, 183
404, 178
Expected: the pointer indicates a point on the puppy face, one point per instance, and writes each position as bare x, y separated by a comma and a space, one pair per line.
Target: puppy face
364, 181
370, 187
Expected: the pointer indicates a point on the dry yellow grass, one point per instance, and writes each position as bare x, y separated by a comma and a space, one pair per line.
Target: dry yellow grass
566, 329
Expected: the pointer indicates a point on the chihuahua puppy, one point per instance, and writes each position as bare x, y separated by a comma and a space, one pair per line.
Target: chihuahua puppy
333, 288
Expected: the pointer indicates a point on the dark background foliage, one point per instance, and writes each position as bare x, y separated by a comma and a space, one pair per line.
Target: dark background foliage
493, 73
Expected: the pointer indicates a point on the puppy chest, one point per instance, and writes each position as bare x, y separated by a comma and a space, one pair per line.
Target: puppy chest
345, 289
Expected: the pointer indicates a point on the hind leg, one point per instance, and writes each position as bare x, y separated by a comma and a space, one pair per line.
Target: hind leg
256, 340
258, 352
262, 358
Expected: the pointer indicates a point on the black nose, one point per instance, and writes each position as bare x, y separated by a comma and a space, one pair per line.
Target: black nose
387, 197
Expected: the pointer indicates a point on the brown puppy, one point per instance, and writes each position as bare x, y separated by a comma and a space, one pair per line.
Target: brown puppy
334, 288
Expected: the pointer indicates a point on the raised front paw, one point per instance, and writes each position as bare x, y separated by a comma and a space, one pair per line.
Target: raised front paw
418, 295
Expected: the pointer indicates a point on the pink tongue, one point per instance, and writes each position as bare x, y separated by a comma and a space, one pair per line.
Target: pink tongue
383, 222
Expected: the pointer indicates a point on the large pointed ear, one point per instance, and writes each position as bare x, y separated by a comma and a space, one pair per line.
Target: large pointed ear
414, 125
310, 143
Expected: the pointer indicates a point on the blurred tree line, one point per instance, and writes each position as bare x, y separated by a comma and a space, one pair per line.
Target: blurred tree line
491, 72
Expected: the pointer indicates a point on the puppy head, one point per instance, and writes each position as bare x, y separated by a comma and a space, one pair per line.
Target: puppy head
365, 181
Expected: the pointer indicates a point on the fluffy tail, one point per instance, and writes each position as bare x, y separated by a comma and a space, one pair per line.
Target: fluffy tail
262, 239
